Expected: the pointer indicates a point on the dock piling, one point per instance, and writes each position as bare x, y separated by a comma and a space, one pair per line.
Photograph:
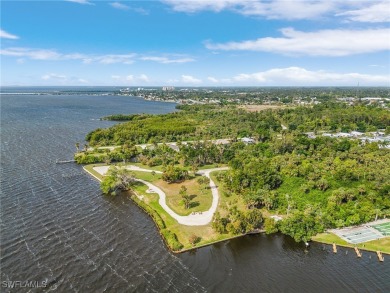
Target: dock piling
358, 252
380, 256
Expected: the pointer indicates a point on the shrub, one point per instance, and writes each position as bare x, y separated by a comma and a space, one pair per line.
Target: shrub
88, 159
194, 239
171, 240
270, 226
174, 174
219, 224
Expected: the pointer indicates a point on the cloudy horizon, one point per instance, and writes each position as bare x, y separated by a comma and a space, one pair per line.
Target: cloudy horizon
196, 43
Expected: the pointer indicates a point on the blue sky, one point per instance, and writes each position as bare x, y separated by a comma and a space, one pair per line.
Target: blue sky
196, 43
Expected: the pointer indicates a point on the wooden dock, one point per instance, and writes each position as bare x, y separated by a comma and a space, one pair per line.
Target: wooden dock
358, 252
380, 256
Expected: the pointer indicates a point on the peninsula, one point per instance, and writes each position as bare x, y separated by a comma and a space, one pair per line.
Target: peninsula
211, 172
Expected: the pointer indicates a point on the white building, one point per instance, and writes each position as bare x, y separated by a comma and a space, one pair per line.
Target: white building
343, 134
357, 133
247, 140
168, 88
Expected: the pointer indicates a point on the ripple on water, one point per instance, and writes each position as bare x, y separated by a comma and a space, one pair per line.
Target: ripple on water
55, 224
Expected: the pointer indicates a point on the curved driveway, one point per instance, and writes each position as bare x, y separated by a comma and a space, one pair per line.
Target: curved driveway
198, 219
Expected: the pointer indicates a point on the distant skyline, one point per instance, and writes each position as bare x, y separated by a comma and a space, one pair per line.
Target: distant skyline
195, 43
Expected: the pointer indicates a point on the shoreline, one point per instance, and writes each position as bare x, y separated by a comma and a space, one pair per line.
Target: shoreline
143, 206
352, 247
330, 238
150, 211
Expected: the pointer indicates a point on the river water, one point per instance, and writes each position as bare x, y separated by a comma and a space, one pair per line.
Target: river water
57, 228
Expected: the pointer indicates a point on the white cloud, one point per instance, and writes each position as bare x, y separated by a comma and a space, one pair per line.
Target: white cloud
143, 77
131, 78
5, 35
85, 2
140, 10
282, 9
335, 42
293, 9
165, 60
38, 54
49, 54
212, 79
44, 54
190, 79
120, 6
301, 76
54, 76
376, 12
115, 58
362, 10
199, 5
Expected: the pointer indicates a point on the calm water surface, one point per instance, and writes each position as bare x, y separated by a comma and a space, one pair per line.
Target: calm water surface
56, 226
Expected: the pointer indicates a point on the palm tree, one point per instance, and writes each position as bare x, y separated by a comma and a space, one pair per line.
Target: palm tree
194, 168
377, 213
107, 160
187, 201
185, 197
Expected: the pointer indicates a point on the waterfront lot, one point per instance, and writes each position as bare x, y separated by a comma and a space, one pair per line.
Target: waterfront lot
166, 223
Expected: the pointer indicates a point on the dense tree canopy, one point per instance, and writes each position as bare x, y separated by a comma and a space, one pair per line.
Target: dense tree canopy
201, 122
316, 183
117, 180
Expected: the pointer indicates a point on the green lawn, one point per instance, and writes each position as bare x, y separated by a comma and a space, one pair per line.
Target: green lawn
183, 233
211, 166
90, 169
147, 176
155, 168
201, 197
226, 199
165, 222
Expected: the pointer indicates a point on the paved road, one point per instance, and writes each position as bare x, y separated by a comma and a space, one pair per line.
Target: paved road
103, 169
198, 219
172, 145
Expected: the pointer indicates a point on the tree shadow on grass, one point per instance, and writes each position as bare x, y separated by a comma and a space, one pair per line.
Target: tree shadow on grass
194, 203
